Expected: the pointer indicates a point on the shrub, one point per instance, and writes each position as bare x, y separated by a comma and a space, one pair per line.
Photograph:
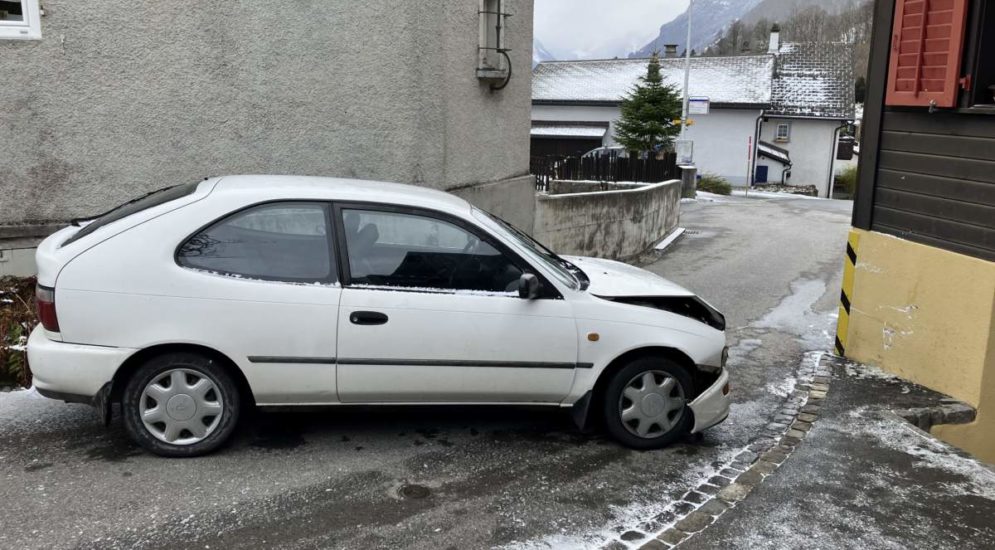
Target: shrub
17, 318
714, 184
847, 179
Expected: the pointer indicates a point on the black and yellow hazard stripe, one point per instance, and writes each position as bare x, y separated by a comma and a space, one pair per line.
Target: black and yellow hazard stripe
846, 295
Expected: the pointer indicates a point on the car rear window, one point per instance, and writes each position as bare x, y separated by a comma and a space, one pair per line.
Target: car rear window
155, 198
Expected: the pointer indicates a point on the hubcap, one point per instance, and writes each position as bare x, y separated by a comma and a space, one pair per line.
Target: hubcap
652, 403
181, 407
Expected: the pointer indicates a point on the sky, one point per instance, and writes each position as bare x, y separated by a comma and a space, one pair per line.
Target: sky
595, 29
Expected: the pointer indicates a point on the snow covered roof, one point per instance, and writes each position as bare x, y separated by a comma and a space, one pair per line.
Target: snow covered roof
569, 130
803, 79
814, 79
724, 80
774, 152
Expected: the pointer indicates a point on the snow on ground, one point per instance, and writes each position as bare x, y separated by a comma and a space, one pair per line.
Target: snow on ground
929, 452
631, 516
772, 195
783, 388
868, 372
705, 196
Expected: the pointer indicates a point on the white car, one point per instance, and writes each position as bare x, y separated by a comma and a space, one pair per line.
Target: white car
190, 304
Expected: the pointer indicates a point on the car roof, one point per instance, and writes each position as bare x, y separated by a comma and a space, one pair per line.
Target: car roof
340, 189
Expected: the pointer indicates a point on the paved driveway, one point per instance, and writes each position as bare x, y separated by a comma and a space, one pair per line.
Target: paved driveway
439, 477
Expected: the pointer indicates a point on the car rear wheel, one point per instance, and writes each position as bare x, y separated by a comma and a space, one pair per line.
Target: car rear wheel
180, 404
645, 403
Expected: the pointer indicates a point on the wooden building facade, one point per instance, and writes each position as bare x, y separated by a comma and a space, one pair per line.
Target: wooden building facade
919, 282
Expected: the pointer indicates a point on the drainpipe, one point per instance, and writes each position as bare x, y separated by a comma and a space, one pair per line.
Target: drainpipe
756, 146
784, 173
832, 158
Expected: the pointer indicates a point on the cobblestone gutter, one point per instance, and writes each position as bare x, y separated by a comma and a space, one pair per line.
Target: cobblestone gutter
703, 505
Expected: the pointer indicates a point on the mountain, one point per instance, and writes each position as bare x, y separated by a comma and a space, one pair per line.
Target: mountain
540, 53
713, 17
710, 18
781, 10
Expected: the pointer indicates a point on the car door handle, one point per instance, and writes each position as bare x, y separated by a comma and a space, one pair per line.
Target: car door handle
367, 318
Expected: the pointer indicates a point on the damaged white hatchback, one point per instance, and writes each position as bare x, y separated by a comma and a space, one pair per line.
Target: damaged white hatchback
190, 304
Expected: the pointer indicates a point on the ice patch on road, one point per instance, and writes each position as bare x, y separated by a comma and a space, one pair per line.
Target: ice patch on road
795, 315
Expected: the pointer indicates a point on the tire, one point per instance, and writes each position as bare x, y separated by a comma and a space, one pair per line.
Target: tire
663, 413
190, 402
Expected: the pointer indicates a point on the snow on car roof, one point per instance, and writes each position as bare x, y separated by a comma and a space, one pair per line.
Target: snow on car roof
344, 189
730, 80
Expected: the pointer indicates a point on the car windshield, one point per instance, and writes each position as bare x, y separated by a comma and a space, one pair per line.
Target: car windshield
566, 272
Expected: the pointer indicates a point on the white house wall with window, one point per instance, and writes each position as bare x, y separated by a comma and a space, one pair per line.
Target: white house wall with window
20, 20
794, 99
100, 109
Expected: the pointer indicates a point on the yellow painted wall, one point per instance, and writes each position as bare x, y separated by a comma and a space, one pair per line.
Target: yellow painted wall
978, 437
928, 315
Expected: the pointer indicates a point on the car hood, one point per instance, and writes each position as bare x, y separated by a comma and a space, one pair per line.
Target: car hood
613, 279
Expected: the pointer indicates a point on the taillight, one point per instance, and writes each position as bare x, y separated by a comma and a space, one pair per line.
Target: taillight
45, 300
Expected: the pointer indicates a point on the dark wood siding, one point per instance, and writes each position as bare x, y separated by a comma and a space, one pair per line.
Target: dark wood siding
935, 180
563, 147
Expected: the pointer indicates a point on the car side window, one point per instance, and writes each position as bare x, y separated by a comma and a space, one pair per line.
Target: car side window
393, 249
287, 241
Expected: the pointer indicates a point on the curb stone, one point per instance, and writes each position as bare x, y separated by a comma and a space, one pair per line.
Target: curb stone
733, 481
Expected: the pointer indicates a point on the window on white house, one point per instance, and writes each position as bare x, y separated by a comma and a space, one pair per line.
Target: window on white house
783, 133
491, 62
20, 20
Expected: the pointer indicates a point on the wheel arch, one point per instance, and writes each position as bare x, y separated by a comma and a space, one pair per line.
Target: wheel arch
137, 359
592, 402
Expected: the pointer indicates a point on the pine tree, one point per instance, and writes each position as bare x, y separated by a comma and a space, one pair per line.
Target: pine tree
649, 112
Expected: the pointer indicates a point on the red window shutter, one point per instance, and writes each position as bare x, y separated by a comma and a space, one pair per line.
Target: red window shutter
927, 42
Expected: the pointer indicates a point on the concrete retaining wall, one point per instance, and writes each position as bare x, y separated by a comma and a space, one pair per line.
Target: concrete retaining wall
560, 187
608, 224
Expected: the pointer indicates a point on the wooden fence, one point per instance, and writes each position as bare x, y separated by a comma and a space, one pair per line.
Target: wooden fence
605, 168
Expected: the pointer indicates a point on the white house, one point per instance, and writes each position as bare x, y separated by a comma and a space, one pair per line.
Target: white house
771, 116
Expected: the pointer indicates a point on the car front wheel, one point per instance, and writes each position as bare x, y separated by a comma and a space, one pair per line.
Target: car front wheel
180, 405
645, 403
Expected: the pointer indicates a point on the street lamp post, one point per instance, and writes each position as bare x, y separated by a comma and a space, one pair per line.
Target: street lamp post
687, 74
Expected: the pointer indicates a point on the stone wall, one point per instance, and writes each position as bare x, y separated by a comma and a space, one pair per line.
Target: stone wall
618, 224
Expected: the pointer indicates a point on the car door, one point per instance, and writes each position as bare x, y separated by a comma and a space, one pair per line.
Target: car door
430, 313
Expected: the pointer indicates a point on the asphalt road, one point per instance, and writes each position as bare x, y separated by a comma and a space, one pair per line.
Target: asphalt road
439, 477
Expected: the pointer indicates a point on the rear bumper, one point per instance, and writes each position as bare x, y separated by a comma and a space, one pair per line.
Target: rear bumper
712, 406
78, 371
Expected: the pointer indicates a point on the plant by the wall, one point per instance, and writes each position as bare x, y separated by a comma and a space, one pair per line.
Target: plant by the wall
17, 319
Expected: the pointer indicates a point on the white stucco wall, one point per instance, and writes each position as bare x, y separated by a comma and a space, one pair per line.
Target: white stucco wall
811, 148
722, 142
121, 97
721, 137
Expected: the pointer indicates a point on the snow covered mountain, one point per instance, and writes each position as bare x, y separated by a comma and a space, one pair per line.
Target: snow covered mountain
540, 53
711, 17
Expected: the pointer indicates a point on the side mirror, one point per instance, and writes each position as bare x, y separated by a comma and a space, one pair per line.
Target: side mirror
528, 286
